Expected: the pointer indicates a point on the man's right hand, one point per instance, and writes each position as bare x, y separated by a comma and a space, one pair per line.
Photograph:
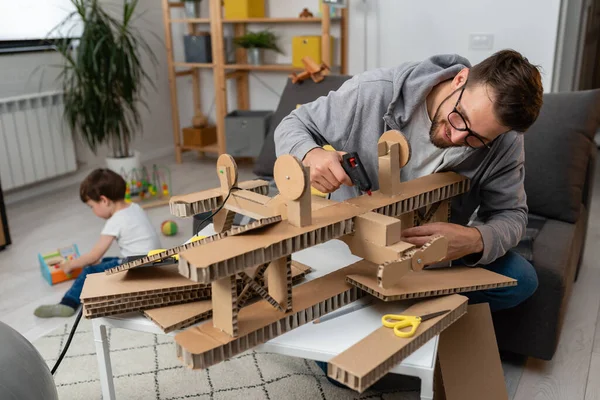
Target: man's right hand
326, 171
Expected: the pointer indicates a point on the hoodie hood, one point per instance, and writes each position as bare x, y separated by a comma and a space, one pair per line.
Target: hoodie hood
413, 81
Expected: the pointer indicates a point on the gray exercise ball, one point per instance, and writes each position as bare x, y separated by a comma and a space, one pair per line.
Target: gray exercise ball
24, 374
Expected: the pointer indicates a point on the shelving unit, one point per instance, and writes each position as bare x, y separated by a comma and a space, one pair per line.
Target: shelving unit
238, 71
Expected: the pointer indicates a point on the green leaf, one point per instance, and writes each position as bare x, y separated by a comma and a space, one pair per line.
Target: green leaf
103, 79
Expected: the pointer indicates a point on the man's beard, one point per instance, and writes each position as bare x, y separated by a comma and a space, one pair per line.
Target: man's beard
437, 141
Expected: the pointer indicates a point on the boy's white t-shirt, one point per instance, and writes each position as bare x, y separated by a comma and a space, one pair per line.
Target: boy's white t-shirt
133, 231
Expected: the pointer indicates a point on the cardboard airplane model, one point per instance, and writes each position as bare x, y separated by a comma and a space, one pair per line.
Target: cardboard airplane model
294, 220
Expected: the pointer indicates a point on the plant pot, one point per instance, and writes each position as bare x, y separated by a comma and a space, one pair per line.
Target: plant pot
192, 9
124, 165
254, 56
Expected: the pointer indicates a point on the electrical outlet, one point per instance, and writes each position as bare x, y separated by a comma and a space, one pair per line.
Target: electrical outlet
481, 41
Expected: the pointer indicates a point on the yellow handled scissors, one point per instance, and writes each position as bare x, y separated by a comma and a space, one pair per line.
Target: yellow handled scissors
399, 322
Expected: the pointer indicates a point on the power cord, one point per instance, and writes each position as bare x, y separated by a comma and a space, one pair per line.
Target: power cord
217, 210
68, 341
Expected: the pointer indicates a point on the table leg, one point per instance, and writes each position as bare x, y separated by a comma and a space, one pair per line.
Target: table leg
104, 367
427, 385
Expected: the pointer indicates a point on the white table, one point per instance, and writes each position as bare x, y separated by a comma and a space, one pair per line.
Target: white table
318, 342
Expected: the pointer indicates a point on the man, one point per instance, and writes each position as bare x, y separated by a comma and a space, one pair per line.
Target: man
456, 118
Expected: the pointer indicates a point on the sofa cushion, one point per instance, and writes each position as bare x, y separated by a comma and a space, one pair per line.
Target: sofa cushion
526, 245
293, 94
557, 149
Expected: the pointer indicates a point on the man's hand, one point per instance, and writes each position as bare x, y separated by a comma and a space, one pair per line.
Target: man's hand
326, 171
462, 240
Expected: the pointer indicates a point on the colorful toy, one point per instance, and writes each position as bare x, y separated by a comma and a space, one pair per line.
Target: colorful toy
50, 264
148, 191
169, 228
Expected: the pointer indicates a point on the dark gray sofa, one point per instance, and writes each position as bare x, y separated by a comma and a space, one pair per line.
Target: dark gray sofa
560, 158
559, 173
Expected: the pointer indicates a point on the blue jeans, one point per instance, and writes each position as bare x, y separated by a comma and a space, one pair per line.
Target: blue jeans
512, 265
71, 298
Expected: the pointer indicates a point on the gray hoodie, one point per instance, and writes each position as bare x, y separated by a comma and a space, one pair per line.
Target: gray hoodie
354, 117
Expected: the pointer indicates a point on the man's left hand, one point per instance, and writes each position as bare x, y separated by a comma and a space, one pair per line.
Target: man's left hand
462, 240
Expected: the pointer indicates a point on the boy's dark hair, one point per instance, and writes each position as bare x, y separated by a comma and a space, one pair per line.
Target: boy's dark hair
102, 182
517, 85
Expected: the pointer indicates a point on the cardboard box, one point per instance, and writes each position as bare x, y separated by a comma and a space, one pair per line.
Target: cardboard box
199, 136
307, 46
237, 9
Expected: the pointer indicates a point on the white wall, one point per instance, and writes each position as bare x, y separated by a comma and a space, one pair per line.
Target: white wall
401, 31
397, 31
27, 73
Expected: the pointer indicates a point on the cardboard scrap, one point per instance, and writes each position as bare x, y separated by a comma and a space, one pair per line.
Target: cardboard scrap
432, 282
370, 359
204, 345
137, 282
177, 298
236, 230
191, 204
414, 194
183, 315
469, 359
231, 254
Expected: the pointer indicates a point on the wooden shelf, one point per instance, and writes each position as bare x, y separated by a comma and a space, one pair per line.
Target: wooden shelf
190, 20
265, 67
192, 65
222, 74
267, 20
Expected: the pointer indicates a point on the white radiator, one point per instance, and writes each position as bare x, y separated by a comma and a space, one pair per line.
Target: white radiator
35, 143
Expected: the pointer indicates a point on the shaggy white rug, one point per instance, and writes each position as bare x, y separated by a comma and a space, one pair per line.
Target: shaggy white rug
145, 367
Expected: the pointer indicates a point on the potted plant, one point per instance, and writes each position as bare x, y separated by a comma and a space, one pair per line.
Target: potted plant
103, 80
255, 42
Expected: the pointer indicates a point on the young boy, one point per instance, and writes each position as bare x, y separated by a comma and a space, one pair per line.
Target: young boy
104, 192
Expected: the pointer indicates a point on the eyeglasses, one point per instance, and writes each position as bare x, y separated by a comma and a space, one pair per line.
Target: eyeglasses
458, 122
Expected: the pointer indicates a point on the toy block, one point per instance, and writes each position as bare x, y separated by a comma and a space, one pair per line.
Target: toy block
379, 352
50, 265
224, 305
377, 228
376, 253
